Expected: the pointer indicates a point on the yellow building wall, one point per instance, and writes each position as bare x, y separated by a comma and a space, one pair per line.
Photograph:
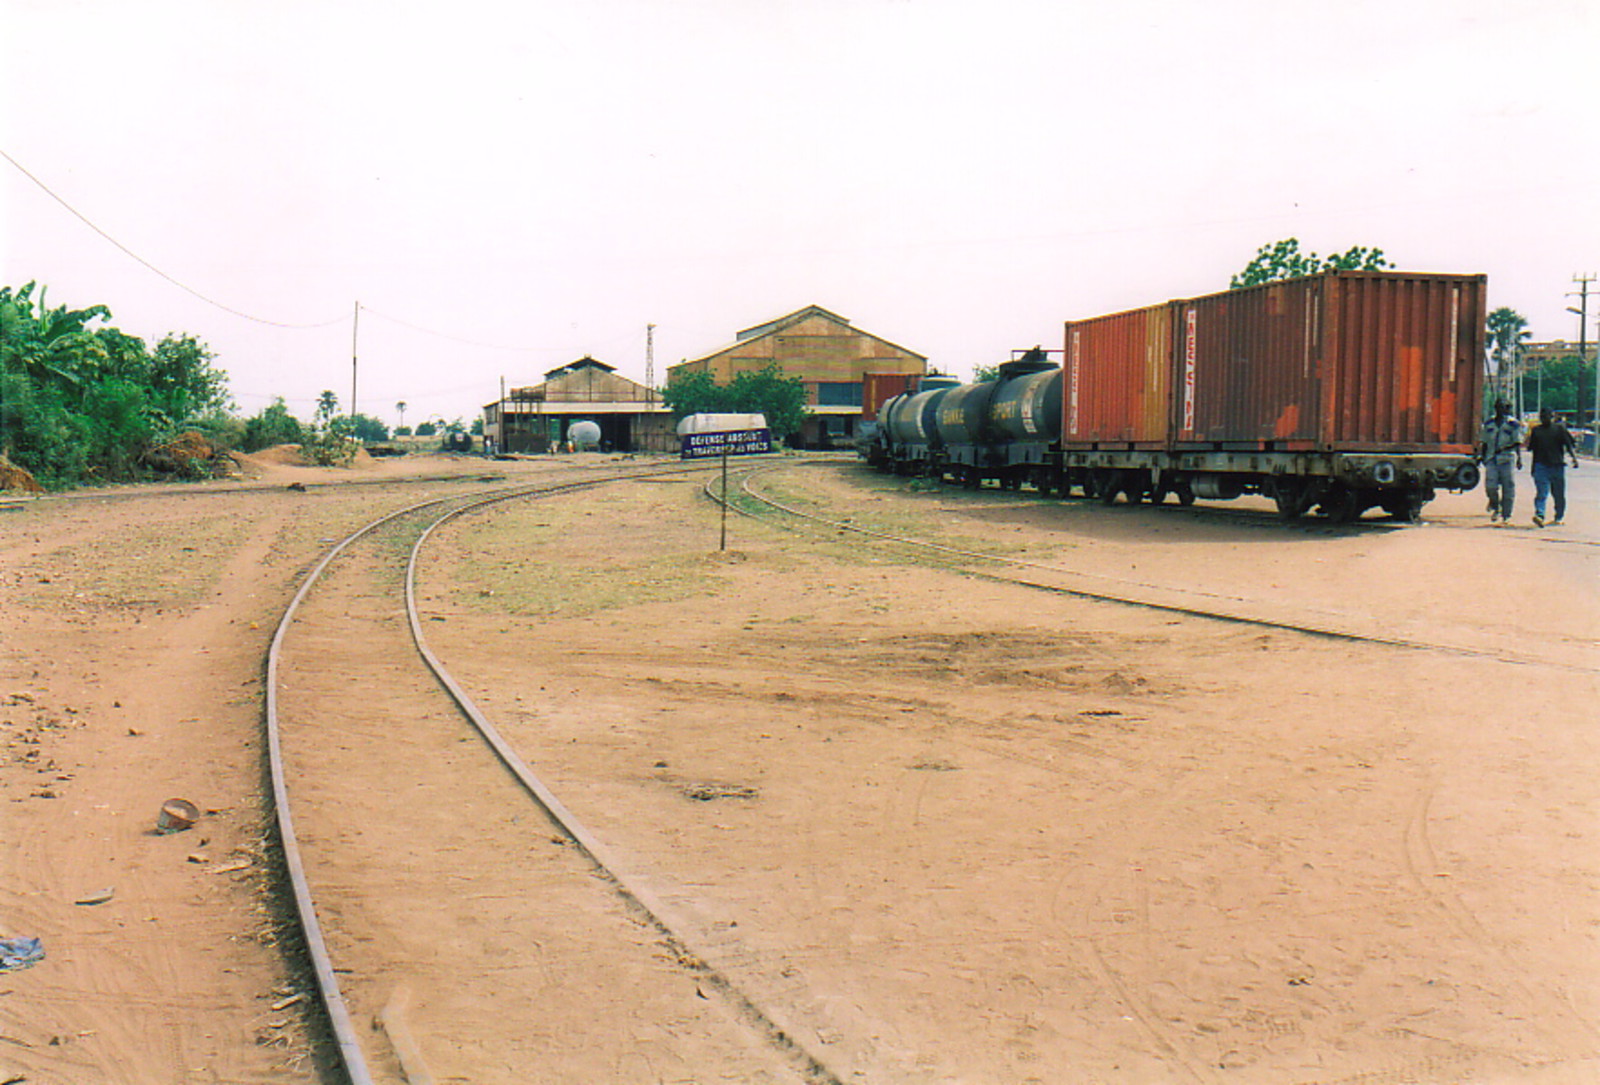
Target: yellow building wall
813, 349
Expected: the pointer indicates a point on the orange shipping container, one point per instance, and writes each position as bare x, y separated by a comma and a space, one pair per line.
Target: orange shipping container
1345, 361
1118, 379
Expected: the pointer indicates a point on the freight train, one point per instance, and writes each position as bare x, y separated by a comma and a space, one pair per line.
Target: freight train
1335, 393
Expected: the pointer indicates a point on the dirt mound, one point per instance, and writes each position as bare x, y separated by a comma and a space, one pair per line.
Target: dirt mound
13, 477
189, 455
278, 456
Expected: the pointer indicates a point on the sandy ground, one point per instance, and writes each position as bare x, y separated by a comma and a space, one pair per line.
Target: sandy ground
954, 830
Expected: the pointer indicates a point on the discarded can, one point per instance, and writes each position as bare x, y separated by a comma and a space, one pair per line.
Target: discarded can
177, 815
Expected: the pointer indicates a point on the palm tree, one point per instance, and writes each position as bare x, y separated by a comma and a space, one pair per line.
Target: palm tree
1508, 332
401, 407
327, 407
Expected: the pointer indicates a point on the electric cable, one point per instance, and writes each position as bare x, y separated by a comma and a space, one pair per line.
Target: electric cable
175, 282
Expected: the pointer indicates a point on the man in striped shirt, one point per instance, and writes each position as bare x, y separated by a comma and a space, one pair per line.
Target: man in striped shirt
1500, 450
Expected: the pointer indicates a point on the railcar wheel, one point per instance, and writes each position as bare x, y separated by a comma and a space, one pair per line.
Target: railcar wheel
1406, 507
1343, 504
1136, 484
1293, 496
1106, 485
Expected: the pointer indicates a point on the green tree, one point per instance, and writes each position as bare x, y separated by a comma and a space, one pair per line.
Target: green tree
328, 442
1563, 384
272, 425
49, 347
695, 393
87, 403
769, 392
182, 381
369, 430
1284, 260
782, 399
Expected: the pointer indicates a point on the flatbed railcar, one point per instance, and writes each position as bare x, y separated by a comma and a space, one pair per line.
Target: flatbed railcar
1338, 392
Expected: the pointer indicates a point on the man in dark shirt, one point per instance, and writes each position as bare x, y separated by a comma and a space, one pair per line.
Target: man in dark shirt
1549, 446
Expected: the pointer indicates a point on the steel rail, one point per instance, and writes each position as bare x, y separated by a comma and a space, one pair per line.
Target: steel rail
1324, 632
648, 904
350, 1053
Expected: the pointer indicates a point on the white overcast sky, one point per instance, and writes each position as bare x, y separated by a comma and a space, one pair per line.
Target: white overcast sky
505, 187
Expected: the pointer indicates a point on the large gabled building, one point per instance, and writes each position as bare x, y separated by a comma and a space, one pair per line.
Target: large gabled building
536, 418
825, 352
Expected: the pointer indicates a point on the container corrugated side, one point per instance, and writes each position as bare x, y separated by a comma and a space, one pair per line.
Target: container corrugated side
878, 388
1403, 357
1117, 379
1342, 361
1247, 367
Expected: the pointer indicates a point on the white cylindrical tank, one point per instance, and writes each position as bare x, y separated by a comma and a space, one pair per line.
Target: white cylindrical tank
584, 434
720, 423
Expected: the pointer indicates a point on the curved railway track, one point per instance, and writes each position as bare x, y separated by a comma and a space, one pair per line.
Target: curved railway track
851, 890
1189, 602
371, 959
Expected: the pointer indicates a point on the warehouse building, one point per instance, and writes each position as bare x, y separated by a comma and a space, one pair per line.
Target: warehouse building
536, 418
822, 349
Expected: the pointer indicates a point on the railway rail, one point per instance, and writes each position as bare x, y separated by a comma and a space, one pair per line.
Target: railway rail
340, 950
1190, 602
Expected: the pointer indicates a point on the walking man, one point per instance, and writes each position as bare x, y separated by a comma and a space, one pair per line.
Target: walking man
1499, 446
1549, 446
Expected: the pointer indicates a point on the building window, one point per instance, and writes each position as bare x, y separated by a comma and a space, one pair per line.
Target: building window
838, 393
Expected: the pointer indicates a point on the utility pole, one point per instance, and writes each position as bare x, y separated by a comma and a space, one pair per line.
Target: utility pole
650, 363
355, 328
1582, 293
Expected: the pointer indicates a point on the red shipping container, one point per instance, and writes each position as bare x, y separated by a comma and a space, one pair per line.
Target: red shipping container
1345, 361
878, 388
1118, 379
1374, 361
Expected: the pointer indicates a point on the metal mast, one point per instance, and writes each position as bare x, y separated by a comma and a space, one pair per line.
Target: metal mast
1582, 294
355, 328
649, 363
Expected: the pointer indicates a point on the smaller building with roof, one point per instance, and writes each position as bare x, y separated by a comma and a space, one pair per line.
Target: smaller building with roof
536, 418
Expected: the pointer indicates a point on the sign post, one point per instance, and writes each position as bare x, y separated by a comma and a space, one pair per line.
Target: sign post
750, 442
723, 545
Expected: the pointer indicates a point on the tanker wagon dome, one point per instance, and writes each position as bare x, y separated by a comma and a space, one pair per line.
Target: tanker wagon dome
584, 435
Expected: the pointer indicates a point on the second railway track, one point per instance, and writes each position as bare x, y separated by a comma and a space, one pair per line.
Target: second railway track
1189, 600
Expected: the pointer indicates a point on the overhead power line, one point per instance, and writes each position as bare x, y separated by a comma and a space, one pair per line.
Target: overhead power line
458, 339
175, 282
81, 217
